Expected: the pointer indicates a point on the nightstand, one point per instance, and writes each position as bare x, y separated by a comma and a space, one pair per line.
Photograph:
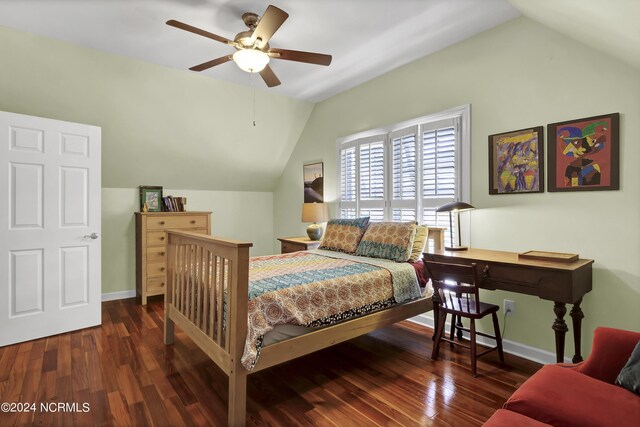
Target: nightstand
295, 244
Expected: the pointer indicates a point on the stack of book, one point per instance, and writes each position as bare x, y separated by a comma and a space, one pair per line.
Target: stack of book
174, 204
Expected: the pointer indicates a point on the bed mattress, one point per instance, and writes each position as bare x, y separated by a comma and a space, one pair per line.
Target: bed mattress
293, 294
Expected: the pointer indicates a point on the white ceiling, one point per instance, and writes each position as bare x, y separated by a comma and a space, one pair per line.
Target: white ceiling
367, 38
608, 25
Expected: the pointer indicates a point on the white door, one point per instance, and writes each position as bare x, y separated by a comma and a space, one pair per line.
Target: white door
49, 227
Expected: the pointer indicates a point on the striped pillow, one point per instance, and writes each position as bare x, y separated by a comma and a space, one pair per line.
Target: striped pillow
390, 240
419, 242
343, 235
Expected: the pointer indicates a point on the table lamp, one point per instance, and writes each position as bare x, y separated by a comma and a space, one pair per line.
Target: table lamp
455, 207
314, 212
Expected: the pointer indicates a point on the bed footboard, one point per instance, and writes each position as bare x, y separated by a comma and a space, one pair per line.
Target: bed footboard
206, 296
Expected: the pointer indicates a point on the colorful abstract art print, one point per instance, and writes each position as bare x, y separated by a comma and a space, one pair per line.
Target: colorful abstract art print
584, 154
516, 161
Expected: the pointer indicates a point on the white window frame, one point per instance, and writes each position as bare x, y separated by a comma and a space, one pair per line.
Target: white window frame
463, 162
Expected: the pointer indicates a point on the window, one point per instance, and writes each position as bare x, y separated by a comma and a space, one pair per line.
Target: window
406, 171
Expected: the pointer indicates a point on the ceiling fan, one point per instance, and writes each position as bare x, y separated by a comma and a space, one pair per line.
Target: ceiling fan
253, 52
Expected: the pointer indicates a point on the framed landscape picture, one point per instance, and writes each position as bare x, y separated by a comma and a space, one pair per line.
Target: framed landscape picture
314, 182
516, 161
584, 154
150, 198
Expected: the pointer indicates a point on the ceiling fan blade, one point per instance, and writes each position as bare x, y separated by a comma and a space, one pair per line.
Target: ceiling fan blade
212, 63
296, 55
192, 29
269, 77
268, 24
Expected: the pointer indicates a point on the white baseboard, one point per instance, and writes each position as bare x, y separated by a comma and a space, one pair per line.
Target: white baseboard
512, 347
118, 295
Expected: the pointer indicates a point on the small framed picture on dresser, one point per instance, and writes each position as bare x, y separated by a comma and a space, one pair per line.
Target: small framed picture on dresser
150, 198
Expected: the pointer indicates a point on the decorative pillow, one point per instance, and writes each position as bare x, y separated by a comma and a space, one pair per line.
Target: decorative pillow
390, 240
422, 232
343, 235
629, 376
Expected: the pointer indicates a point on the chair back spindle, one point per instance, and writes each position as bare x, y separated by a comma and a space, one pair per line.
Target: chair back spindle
457, 293
455, 283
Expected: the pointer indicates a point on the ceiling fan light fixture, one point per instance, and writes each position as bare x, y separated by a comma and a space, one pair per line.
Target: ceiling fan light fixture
251, 60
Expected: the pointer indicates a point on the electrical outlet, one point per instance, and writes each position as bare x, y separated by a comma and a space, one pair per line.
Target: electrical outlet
509, 307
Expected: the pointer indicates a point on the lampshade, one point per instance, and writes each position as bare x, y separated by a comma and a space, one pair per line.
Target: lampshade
455, 207
251, 60
314, 212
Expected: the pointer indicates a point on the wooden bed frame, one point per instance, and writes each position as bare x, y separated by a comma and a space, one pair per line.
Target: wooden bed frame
201, 268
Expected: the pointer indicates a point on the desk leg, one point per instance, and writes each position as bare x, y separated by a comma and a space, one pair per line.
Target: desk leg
560, 327
576, 316
436, 313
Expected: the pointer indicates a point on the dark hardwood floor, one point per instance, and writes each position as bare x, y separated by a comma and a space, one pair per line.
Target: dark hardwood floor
128, 377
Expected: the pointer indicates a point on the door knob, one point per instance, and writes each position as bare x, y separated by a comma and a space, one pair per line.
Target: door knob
93, 236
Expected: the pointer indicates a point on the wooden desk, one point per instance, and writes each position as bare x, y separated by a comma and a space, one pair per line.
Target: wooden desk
562, 283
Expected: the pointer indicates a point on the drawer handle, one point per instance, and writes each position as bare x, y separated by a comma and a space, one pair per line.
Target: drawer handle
161, 268
485, 272
193, 221
162, 284
161, 254
162, 238
161, 222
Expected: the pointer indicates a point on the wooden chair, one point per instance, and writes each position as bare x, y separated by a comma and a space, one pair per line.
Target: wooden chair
456, 291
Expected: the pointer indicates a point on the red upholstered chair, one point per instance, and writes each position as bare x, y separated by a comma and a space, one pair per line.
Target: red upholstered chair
582, 395
504, 418
458, 295
610, 351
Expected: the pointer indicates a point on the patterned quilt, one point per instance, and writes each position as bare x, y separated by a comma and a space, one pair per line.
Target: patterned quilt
319, 288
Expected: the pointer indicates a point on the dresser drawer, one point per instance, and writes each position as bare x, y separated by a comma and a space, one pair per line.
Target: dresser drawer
286, 247
156, 268
514, 278
156, 253
183, 221
155, 285
157, 238
151, 245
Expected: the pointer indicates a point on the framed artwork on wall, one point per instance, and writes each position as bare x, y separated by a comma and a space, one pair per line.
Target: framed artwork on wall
516, 161
584, 154
150, 198
313, 182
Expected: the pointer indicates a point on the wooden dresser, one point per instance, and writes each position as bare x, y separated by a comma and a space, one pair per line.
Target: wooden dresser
151, 265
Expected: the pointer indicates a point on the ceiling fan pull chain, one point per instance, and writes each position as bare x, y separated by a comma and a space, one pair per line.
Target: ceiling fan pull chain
253, 86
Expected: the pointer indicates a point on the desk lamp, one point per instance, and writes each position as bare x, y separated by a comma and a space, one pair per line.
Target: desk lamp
314, 212
456, 207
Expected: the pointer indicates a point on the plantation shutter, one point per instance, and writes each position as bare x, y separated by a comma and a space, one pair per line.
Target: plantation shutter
440, 171
348, 182
371, 200
408, 170
404, 174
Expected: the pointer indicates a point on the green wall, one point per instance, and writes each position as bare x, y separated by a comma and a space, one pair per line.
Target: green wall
160, 126
230, 218
517, 75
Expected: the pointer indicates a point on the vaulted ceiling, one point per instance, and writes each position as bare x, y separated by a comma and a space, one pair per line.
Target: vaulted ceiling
367, 38
610, 26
